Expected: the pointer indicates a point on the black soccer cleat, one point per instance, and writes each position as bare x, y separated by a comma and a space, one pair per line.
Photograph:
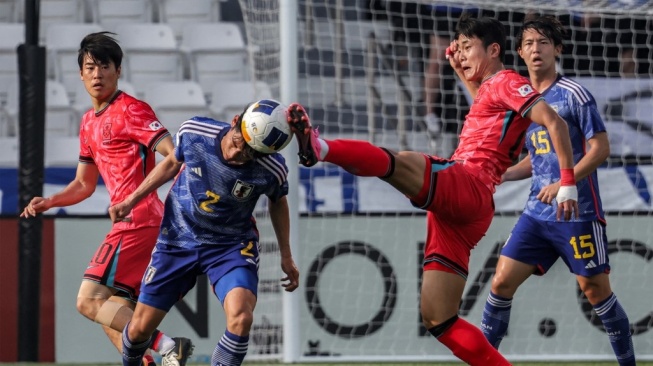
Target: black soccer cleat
307, 136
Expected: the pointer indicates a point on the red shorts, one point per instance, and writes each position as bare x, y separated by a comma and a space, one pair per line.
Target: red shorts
121, 260
460, 210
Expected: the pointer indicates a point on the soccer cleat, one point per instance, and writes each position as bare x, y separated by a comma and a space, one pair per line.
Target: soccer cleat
300, 124
179, 354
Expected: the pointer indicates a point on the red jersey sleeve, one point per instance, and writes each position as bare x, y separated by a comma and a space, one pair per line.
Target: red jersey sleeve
143, 125
85, 153
515, 93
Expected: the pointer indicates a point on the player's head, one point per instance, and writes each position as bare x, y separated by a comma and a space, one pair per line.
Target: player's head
235, 148
481, 46
539, 42
99, 58
101, 48
488, 30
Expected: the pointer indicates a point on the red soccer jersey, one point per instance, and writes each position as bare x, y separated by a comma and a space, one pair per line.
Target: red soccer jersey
493, 134
121, 140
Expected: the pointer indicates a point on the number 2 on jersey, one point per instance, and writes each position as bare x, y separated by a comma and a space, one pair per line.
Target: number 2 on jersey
541, 142
212, 198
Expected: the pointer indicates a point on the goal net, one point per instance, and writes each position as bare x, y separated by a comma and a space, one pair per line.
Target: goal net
365, 71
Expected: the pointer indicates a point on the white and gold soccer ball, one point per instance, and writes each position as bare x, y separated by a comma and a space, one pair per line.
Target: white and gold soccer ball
265, 127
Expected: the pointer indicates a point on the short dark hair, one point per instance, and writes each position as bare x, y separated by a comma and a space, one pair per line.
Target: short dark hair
102, 48
546, 25
488, 30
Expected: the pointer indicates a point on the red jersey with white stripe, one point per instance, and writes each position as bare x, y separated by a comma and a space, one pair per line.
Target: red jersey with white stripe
121, 140
493, 134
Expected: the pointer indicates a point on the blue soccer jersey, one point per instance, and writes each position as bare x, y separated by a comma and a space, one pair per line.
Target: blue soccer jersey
578, 108
212, 201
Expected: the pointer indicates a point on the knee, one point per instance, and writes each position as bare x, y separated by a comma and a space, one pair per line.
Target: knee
138, 330
240, 321
594, 291
89, 307
502, 286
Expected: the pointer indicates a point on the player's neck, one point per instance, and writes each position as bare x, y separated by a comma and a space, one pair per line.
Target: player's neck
100, 104
492, 72
541, 81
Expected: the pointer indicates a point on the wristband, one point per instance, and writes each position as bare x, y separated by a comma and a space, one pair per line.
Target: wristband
448, 53
567, 177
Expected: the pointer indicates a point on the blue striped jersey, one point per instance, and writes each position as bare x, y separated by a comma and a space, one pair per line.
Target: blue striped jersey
578, 108
211, 201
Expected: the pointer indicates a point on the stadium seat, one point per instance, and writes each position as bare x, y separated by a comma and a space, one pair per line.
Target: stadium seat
13, 34
175, 102
229, 98
59, 12
9, 11
60, 117
61, 151
62, 42
178, 13
8, 152
112, 14
151, 54
216, 52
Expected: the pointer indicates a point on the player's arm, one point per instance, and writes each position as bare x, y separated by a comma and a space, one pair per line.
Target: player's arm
79, 189
280, 216
522, 170
165, 147
567, 197
598, 152
162, 172
453, 56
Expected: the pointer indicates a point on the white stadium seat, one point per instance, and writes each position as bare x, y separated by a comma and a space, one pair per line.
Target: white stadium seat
13, 34
175, 102
112, 14
216, 52
229, 98
178, 13
151, 54
60, 117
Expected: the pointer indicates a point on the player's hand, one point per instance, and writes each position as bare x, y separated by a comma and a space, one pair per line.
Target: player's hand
549, 193
453, 56
291, 281
120, 211
36, 206
567, 199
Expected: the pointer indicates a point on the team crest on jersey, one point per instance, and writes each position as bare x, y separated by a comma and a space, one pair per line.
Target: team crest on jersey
149, 274
524, 90
242, 190
156, 125
106, 132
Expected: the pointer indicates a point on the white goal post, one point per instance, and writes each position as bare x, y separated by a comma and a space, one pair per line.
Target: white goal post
359, 68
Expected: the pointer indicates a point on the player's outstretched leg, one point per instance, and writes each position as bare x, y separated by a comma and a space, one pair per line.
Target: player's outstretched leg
357, 157
300, 124
179, 354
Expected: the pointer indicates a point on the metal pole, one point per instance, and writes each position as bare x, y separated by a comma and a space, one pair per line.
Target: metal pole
288, 24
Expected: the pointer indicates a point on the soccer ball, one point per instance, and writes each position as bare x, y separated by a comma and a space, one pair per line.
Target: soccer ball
264, 126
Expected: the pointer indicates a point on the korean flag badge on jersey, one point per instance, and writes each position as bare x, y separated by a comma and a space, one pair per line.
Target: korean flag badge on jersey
525, 90
156, 125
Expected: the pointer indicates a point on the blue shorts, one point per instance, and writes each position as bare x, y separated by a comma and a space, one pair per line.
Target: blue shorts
581, 245
173, 271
